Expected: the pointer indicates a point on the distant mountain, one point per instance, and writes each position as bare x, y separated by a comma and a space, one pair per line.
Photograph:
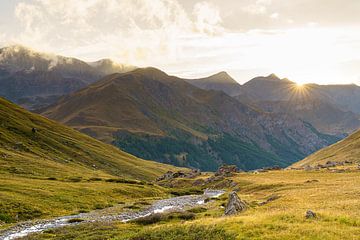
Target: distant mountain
221, 81
322, 106
35, 79
156, 116
272, 88
33, 146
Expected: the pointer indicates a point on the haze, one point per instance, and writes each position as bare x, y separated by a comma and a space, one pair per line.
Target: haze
306, 41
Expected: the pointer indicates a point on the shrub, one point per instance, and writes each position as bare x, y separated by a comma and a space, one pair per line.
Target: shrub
75, 220
95, 179
151, 219
198, 210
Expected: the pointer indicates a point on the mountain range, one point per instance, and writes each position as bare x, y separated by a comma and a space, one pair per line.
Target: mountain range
156, 116
199, 123
332, 109
33, 79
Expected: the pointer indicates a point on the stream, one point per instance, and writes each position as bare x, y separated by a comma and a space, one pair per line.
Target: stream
170, 204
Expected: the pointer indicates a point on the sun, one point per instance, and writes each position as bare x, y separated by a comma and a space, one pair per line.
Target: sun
299, 85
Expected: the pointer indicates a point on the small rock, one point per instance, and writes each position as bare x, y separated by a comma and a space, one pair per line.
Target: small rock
312, 181
310, 214
234, 205
308, 168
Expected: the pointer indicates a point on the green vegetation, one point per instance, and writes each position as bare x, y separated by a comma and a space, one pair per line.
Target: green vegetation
181, 150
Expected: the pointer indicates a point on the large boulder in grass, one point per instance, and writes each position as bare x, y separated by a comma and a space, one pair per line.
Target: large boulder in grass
234, 205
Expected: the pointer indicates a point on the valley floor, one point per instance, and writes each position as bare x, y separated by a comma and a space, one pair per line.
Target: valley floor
278, 201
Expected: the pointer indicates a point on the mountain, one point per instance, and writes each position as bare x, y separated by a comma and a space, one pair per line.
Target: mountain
321, 106
221, 81
272, 88
33, 146
160, 117
324, 116
345, 150
34, 80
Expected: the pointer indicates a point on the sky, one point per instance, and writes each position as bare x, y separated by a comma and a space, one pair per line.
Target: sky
306, 41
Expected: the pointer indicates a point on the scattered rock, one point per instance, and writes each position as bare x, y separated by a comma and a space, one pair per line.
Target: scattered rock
214, 179
310, 214
308, 168
234, 205
198, 182
226, 170
312, 181
273, 168
331, 164
270, 199
33, 130
179, 174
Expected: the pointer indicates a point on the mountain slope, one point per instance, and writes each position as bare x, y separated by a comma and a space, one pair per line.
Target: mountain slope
33, 146
324, 116
164, 118
220, 81
35, 79
345, 150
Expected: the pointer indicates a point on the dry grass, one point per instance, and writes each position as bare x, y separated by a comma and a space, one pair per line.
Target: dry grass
335, 197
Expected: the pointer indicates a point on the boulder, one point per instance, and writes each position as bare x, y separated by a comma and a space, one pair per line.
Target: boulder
226, 170
234, 205
310, 214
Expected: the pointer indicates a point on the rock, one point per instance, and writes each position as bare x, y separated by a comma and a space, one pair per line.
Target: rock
273, 168
308, 168
312, 181
310, 214
330, 164
226, 170
179, 174
234, 205
198, 182
270, 199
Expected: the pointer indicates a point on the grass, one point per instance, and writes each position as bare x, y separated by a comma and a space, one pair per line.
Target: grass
55, 151
23, 199
334, 197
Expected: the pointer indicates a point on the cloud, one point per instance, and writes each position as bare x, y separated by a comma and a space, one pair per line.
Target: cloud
133, 31
258, 8
208, 19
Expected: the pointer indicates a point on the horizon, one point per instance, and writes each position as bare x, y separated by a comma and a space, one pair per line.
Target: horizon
304, 41
52, 54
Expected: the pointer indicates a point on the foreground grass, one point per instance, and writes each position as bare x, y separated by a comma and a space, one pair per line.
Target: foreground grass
333, 196
23, 199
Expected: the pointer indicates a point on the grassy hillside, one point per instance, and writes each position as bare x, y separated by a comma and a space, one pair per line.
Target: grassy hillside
345, 150
54, 150
332, 196
56, 170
